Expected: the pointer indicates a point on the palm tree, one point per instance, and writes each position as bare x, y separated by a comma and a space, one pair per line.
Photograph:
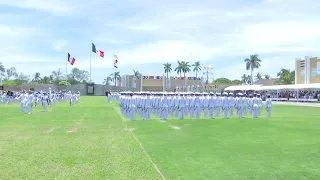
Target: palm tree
2, 70
252, 63
11, 72
36, 77
196, 67
286, 76
136, 73
167, 70
258, 76
45, 80
107, 80
115, 76
178, 69
185, 68
244, 78
266, 76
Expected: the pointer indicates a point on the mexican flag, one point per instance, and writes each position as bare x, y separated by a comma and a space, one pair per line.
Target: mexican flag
97, 51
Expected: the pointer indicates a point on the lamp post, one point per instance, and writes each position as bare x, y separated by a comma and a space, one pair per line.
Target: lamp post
208, 72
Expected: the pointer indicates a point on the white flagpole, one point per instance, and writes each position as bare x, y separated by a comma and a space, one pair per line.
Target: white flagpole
90, 60
113, 66
67, 71
163, 83
141, 81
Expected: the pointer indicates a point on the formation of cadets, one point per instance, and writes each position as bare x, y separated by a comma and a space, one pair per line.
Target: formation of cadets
191, 105
30, 99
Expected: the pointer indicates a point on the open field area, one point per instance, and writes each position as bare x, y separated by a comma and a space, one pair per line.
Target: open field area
93, 141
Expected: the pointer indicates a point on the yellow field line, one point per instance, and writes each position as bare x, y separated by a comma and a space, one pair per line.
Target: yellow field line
141, 146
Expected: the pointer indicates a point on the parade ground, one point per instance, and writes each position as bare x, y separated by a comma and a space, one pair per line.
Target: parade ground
94, 141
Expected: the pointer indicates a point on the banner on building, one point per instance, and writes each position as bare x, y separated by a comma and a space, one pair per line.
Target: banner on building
318, 67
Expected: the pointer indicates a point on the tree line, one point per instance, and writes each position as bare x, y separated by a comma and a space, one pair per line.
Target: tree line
11, 76
284, 76
77, 76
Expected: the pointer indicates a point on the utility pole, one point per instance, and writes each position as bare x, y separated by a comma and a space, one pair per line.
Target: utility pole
208, 72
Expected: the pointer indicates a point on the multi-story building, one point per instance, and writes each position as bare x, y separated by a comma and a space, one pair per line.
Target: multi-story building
307, 70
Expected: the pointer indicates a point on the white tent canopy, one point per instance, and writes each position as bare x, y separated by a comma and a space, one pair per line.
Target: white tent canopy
243, 88
261, 88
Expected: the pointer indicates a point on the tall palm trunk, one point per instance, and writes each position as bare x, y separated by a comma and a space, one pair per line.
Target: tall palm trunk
251, 78
196, 74
115, 81
185, 81
167, 81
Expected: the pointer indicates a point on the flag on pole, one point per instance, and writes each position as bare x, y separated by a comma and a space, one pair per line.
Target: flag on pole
95, 50
71, 59
115, 62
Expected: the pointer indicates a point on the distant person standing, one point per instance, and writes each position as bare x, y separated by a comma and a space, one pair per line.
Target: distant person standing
107, 95
269, 105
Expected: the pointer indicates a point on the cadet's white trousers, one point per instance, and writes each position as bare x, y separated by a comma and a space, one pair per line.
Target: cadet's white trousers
198, 112
205, 111
218, 111
165, 113
240, 112
211, 111
192, 109
29, 107
225, 112
132, 112
182, 112
269, 111
231, 110
45, 105
255, 110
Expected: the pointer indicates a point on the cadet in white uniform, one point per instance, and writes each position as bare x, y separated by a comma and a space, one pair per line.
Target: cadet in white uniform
45, 99
259, 104
197, 105
269, 105
225, 105
30, 102
255, 106
218, 104
212, 105
231, 103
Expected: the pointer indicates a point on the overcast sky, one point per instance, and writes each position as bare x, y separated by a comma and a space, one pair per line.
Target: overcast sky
36, 35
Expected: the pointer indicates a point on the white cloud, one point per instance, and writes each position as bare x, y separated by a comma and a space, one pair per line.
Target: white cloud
52, 6
59, 44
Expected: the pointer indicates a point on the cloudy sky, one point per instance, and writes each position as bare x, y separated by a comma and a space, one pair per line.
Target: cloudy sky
36, 35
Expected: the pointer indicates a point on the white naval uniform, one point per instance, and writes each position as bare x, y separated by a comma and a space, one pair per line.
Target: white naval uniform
30, 103
269, 107
212, 106
225, 107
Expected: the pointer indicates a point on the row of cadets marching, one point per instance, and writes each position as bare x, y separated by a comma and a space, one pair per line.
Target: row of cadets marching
180, 105
28, 99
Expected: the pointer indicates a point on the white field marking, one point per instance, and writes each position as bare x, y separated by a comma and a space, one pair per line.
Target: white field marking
72, 130
141, 146
174, 127
49, 131
82, 118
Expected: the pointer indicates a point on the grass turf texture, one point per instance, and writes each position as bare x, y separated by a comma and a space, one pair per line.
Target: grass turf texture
92, 141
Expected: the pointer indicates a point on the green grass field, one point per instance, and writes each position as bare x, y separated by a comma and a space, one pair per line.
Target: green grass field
93, 141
